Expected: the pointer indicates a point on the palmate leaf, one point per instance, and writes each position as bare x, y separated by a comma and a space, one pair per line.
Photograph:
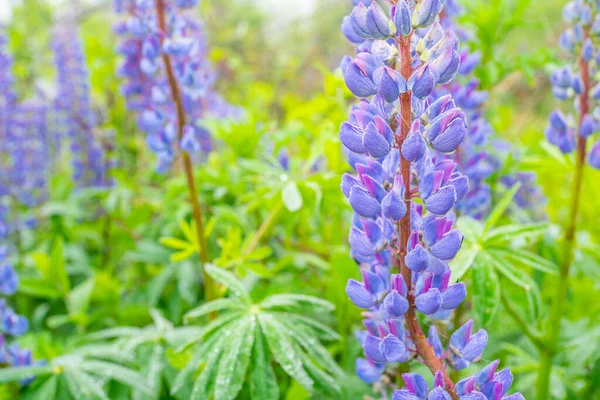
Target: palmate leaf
485, 289
198, 357
508, 233
14, 374
216, 305
313, 348
152, 369
245, 339
263, 383
118, 373
234, 362
41, 388
282, 349
236, 287
296, 300
83, 386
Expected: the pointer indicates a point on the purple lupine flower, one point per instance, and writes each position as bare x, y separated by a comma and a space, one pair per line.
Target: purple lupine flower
76, 120
11, 323
146, 86
578, 82
381, 190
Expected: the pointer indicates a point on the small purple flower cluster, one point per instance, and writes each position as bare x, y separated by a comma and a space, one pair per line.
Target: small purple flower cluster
397, 139
76, 121
579, 81
147, 88
471, 157
24, 151
11, 324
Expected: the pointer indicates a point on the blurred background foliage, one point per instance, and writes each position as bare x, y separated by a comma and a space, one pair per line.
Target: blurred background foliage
106, 258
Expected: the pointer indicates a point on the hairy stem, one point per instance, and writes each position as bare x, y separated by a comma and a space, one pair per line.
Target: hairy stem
424, 349
568, 247
209, 285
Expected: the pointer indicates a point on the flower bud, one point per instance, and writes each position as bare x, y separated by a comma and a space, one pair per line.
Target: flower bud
401, 18
447, 131
425, 13
594, 158
588, 126
391, 84
587, 51
422, 82
358, 78
446, 65
414, 146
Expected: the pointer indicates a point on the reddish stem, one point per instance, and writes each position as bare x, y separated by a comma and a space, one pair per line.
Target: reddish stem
424, 349
209, 286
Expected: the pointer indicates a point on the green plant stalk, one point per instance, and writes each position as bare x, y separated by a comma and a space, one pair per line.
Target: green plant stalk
210, 290
567, 251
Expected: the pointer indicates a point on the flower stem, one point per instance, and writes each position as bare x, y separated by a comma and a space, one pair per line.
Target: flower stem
424, 349
568, 247
209, 285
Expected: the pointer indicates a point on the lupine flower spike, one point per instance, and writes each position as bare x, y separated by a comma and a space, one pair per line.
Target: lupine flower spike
397, 138
570, 131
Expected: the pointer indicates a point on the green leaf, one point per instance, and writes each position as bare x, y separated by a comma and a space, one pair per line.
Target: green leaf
186, 282
259, 253
13, 374
122, 331
485, 289
323, 331
43, 390
82, 385
235, 360
152, 369
507, 269
296, 300
175, 243
203, 386
310, 343
38, 288
117, 372
527, 258
502, 205
259, 269
199, 356
58, 269
158, 283
292, 199
215, 305
263, 383
78, 299
283, 351
464, 260
513, 232
236, 287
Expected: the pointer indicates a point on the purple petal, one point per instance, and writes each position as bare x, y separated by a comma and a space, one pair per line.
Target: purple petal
359, 295
395, 304
429, 302
363, 203
441, 201
393, 349
453, 296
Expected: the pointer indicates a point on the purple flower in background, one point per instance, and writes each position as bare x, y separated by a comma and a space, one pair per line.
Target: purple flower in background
146, 86
578, 82
401, 140
74, 116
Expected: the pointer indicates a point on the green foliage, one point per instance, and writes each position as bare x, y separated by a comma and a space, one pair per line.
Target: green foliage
246, 338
